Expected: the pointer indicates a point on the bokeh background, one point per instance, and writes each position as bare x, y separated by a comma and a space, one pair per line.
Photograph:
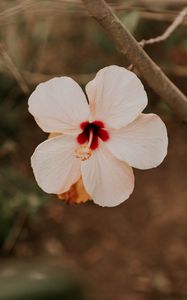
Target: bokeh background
51, 250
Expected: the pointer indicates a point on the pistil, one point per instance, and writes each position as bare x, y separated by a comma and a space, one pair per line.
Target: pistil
91, 133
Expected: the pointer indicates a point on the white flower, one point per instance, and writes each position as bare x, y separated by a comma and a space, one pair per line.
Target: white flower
100, 141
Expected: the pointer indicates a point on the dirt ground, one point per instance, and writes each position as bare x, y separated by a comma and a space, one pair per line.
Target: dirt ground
135, 251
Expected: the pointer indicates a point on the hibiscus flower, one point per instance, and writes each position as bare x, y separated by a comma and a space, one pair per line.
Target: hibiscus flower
100, 139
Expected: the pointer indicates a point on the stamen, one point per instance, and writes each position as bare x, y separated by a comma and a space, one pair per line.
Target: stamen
83, 152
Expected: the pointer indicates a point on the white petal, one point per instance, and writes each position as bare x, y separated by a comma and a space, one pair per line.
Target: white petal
59, 105
108, 180
54, 165
142, 144
116, 96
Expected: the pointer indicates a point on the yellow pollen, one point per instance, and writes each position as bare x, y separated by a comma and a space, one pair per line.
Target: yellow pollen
83, 152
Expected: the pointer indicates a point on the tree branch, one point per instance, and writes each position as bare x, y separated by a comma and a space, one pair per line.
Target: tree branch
154, 76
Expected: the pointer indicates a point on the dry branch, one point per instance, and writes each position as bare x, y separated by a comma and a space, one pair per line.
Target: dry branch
57, 7
13, 69
166, 34
15, 232
177, 21
127, 44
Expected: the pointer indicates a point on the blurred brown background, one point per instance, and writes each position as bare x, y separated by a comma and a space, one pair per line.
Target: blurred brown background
51, 250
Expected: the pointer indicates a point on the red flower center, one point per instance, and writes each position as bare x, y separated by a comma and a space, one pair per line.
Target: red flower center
93, 131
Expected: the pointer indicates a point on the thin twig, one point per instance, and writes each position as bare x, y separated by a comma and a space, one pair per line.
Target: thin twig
9, 12
179, 71
130, 48
15, 232
35, 78
178, 20
55, 7
160, 16
166, 34
13, 69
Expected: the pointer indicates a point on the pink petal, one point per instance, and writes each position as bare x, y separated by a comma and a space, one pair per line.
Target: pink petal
54, 164
116, 96
59, 105
142, 144
108, 180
